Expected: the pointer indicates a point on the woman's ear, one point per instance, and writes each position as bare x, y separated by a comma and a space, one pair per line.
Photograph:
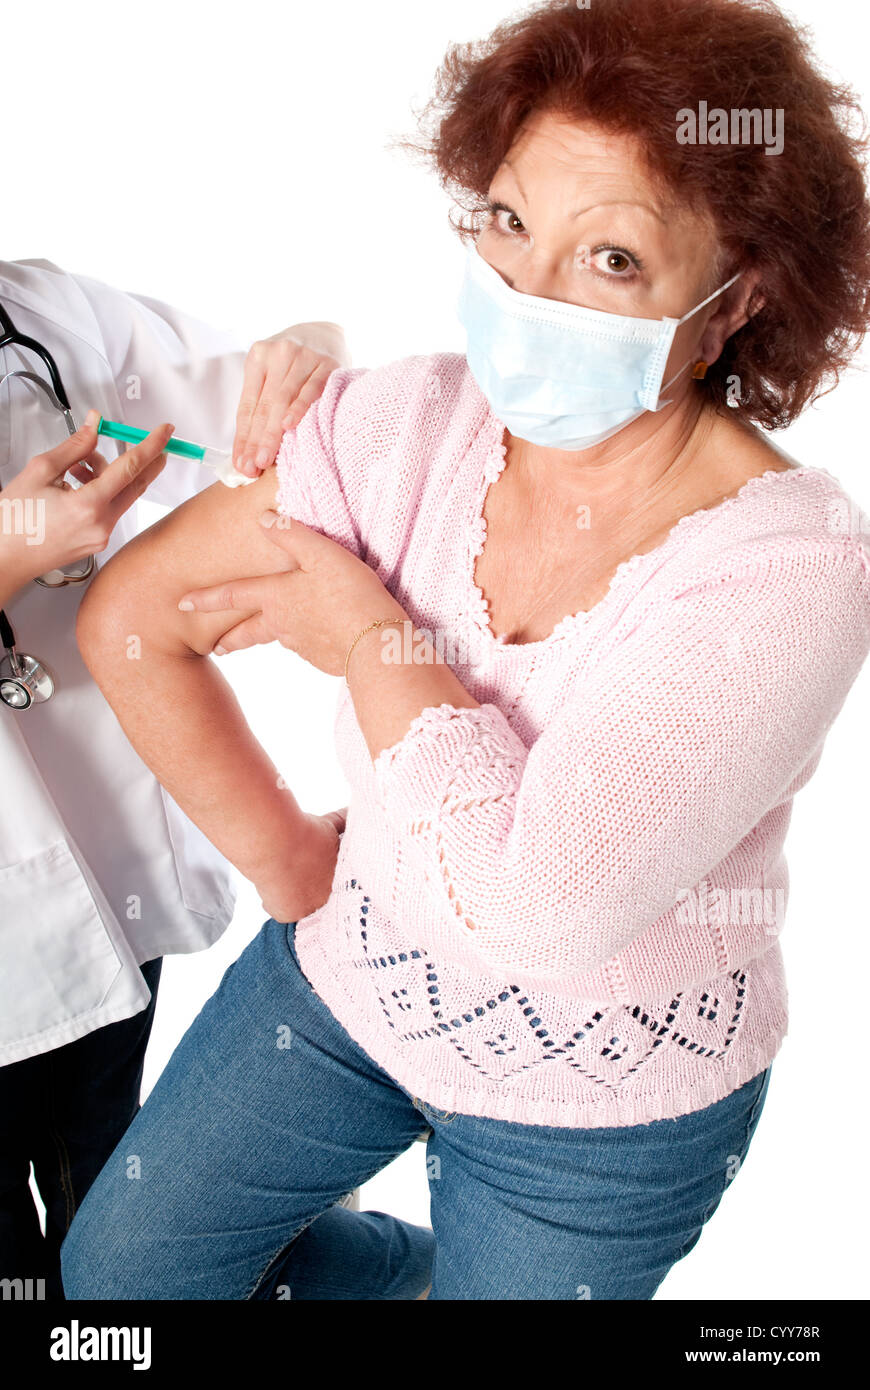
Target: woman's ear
731, 314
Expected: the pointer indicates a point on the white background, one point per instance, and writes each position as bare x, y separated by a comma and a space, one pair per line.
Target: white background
234, 161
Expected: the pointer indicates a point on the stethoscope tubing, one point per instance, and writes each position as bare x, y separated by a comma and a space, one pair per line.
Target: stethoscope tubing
24, 680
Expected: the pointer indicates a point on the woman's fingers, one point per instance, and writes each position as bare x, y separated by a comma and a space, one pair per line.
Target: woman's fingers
299, 542
253, 632
251, 595
302, 545
283, 530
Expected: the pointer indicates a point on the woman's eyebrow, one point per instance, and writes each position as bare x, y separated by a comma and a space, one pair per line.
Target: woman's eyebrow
507, 164
619, 203
613, 202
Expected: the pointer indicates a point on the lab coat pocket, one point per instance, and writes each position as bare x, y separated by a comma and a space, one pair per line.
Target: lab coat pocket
55, 967
202, 873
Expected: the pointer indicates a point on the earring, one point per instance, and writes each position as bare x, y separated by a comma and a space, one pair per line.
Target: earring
700, 370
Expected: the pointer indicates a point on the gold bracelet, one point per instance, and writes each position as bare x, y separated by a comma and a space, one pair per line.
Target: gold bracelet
379, 622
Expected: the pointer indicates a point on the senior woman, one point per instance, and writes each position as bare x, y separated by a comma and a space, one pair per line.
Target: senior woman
594, 629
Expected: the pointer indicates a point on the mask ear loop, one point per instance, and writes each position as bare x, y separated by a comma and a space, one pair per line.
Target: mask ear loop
697, 309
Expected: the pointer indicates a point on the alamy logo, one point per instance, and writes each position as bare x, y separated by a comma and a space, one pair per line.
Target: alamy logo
733, 907
75, 1343
26, 1290
23, 516
740, 126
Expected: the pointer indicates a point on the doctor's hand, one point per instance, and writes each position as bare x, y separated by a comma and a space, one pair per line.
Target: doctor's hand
62, 524
284, 375
316, 607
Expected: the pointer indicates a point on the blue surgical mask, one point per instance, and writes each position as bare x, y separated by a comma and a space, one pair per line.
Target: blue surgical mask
557, 374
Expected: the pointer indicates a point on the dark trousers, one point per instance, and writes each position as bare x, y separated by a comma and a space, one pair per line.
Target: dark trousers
64, 1111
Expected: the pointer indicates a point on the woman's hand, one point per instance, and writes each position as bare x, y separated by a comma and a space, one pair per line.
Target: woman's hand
284, 375
315, 608
300, 880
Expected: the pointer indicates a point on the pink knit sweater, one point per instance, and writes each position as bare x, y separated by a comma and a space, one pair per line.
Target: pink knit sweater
612, 817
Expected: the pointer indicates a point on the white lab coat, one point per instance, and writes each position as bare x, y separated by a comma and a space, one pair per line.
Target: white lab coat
99, 869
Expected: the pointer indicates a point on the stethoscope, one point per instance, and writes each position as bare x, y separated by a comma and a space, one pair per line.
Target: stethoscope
24, 680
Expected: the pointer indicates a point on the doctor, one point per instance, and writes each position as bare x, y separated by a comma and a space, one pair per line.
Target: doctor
100, 873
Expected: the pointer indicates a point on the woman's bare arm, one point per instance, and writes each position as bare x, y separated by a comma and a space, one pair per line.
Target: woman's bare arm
151, 662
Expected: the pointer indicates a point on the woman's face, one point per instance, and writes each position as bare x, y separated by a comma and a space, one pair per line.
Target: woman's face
575, 215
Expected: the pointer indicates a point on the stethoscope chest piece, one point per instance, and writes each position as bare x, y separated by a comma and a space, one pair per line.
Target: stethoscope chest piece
24, 681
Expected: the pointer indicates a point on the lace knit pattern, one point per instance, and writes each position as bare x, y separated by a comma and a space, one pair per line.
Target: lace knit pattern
564, 907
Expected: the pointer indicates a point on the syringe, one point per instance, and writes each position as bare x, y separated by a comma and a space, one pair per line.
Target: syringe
217, 460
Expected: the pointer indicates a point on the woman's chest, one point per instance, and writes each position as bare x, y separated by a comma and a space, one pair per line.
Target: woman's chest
529, 582
539, 565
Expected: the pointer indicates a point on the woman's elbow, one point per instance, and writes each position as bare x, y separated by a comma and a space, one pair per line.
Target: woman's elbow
117, 618
101, 624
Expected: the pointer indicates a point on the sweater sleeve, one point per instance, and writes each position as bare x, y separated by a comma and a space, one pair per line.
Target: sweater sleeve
342, 469
549, 860
320, 482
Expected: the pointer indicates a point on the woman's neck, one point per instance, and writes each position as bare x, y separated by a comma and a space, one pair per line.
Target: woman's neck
651, 455
683, 459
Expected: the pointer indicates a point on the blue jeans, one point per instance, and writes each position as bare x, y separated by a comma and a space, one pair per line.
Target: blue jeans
225, 1184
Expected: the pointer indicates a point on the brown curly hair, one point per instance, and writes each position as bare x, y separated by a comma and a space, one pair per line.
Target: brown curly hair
800, 218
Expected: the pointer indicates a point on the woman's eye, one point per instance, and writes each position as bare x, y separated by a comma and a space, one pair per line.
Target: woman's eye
610, 261
505, 220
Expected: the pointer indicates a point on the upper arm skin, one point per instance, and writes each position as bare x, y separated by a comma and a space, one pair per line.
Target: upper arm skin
212, 538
